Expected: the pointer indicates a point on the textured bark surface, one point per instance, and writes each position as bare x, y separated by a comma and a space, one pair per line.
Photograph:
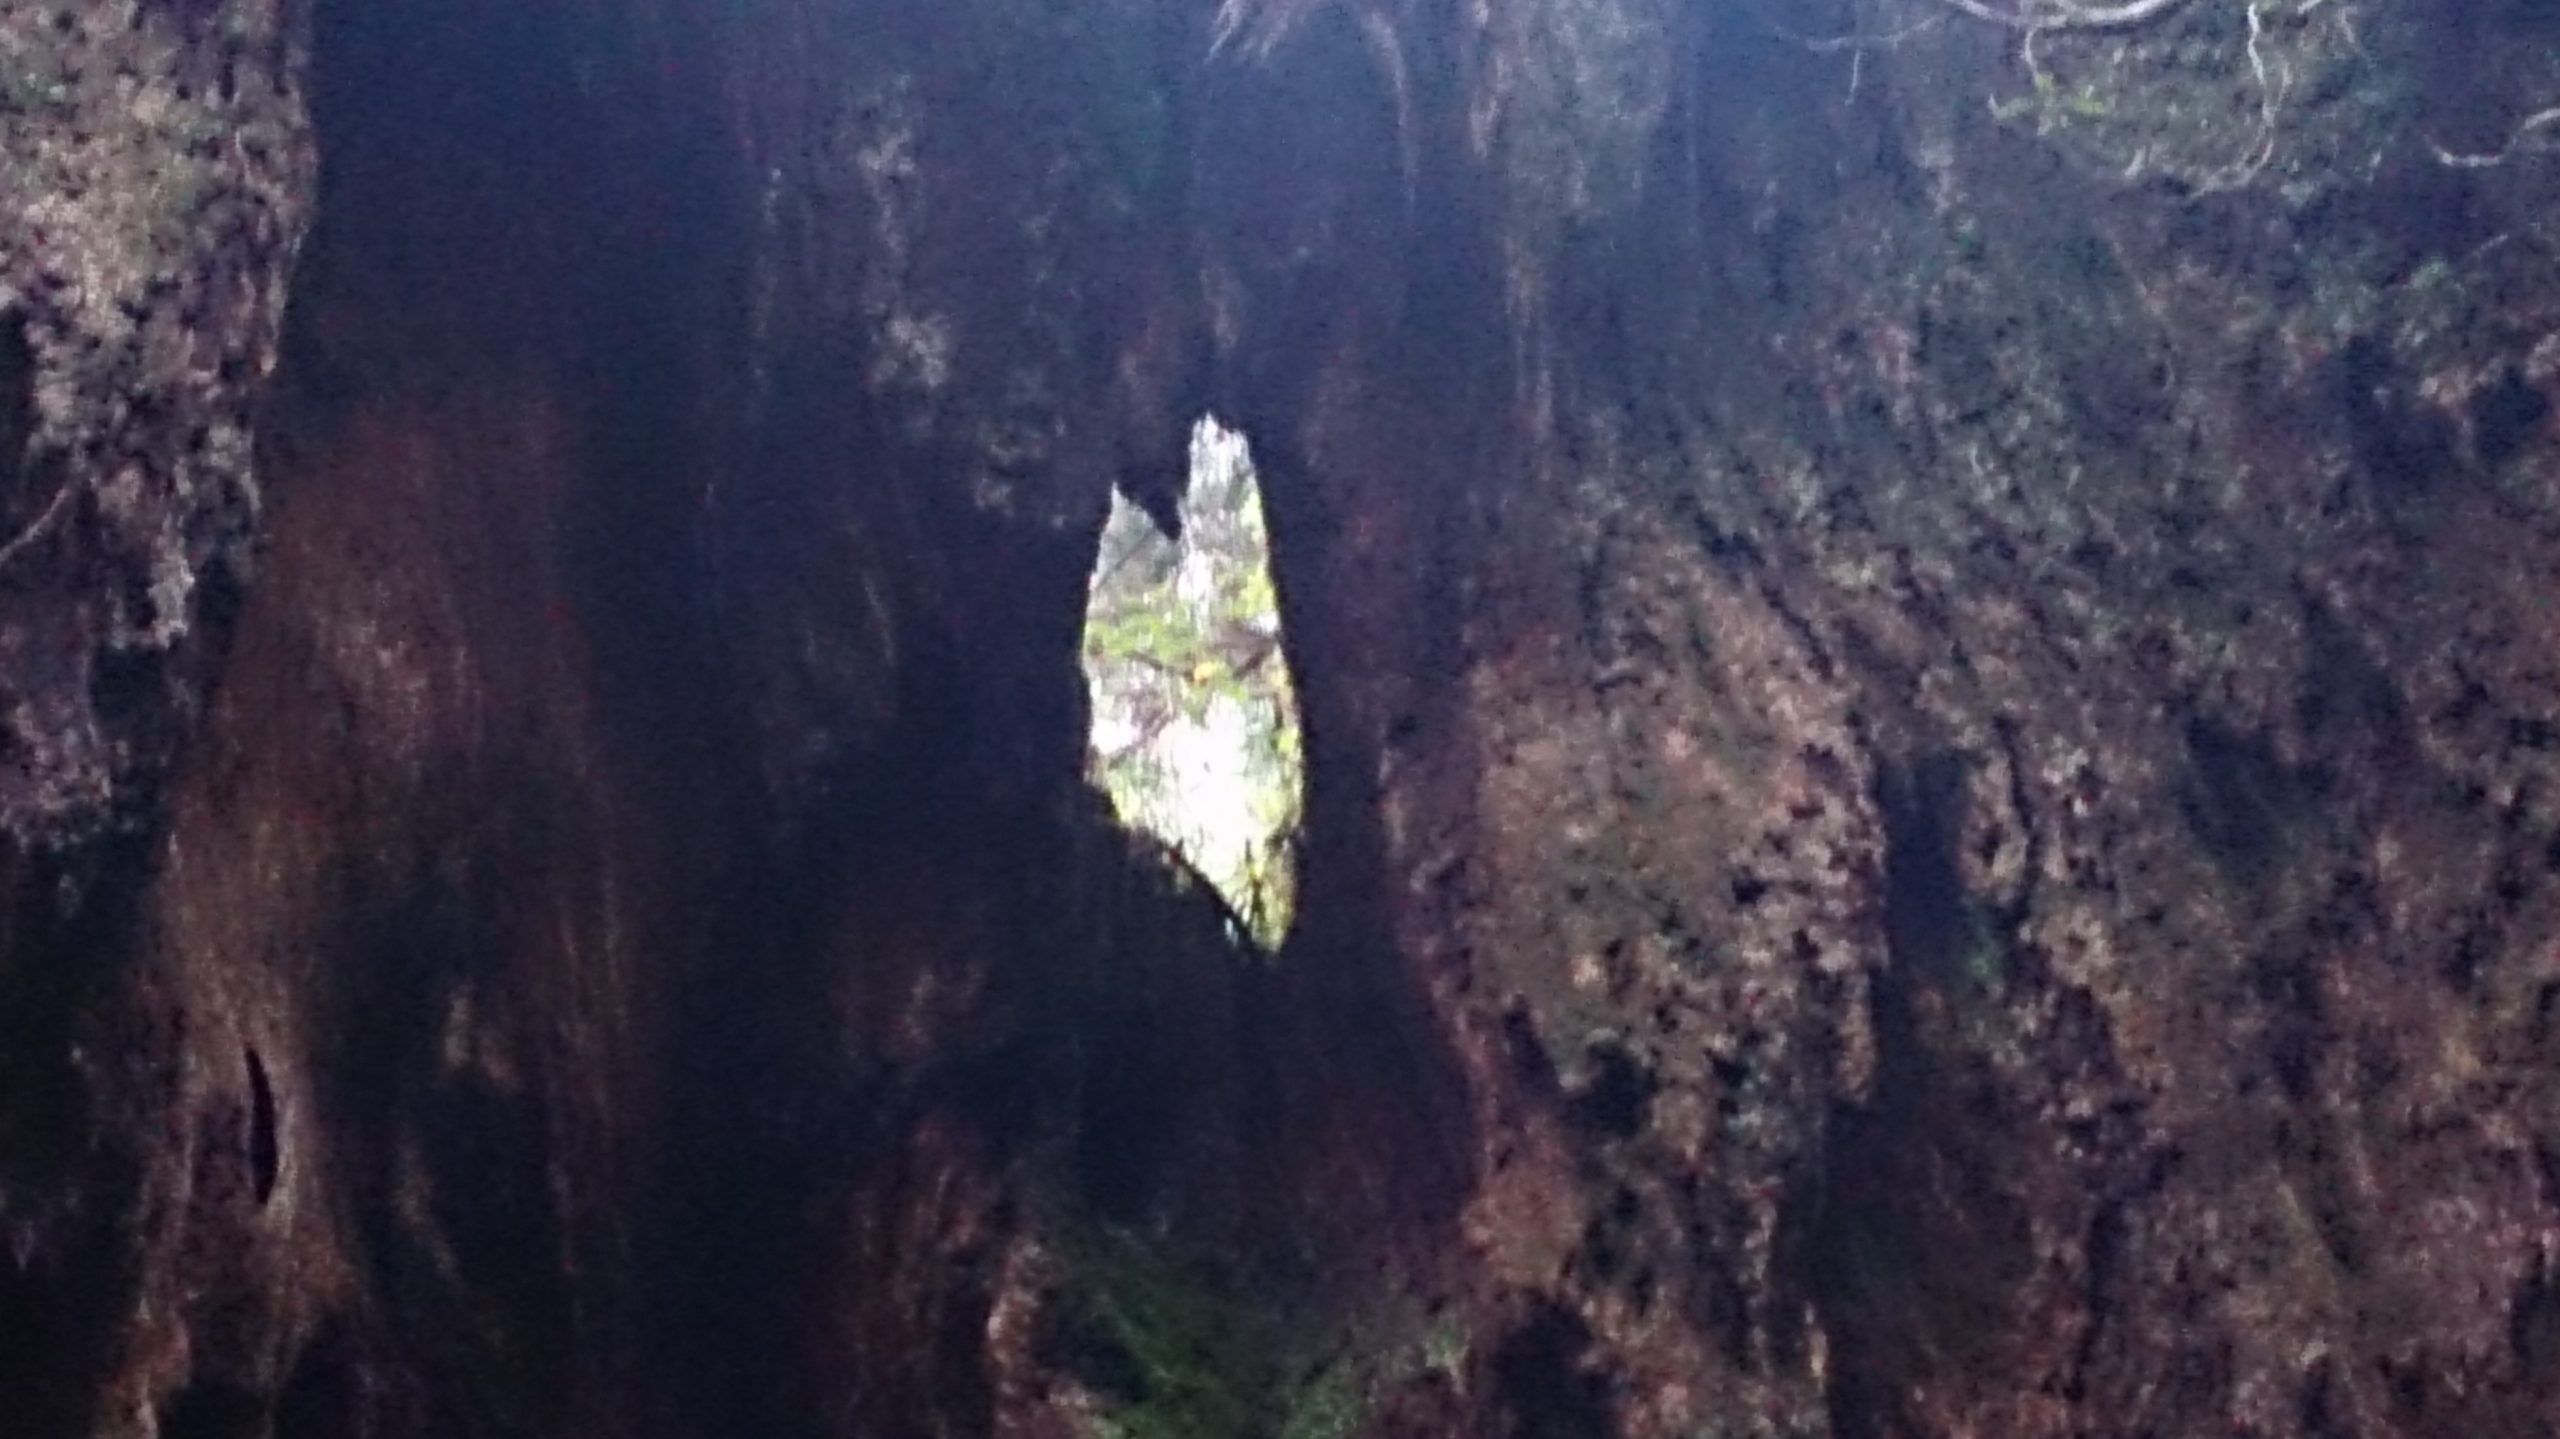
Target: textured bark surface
1963, 736
155, 176
629, 931
1929, 686
158, 178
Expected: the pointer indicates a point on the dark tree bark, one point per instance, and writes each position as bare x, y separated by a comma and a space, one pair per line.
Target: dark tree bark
1928, 674
1949, 660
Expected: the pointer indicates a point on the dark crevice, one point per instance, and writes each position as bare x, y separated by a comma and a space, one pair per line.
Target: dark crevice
17, 425
2287, 985
264, 1157
2240, 800
2105, 1246
1916, 1239
214, 1409
2320, 1417
323, 1397
1926, 915
63, 1273
1541, 1373
2404, 445
2533, 1324
2505, 416
1613, 1101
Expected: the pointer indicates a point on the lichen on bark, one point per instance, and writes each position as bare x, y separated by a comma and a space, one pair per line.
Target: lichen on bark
158, 179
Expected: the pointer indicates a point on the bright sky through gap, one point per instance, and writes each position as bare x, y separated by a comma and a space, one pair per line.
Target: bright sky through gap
1194, 729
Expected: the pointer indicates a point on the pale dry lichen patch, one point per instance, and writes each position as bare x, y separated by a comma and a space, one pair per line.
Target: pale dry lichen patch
154, 179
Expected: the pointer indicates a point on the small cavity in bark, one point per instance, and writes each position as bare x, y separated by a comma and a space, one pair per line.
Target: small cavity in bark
1542, 1371
2506, 416
265, 1158
1619, 1095
321, 1399
2403, 444
213, 1409
17, 420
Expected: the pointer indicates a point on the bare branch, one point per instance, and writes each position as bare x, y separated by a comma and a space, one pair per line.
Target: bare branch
2522, 141
2271, 94
39, 527
2068, 14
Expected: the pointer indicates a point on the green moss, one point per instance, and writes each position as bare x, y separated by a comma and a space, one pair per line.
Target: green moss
1193, 1353
1196, 1357
2213, 97
2050, 103
1445, 1344
1986, 952
29, 87
1330, 1404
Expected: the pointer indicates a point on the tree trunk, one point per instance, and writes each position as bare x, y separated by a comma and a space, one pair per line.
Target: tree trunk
1928, 678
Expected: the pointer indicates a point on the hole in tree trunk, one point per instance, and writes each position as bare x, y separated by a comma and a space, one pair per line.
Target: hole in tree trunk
264, 1156
1195, 730
17, 425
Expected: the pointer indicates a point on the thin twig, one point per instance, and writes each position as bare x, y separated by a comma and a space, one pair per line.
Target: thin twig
2068, 14
2271, 95
37, 528
2525, 130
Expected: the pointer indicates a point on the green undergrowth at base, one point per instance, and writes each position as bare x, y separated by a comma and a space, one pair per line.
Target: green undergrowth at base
1177, 1349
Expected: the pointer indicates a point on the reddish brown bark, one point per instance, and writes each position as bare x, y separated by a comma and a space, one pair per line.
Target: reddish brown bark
1928, 685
